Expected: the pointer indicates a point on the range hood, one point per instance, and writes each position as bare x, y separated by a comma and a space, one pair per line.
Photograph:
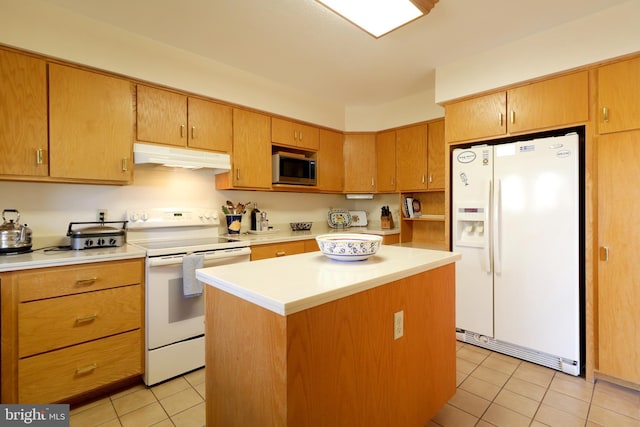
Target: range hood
180, 157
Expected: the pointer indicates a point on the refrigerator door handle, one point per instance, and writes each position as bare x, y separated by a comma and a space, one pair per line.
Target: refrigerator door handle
497, 230
487, 231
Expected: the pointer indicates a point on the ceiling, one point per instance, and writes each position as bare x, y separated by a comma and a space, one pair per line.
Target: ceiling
301, 44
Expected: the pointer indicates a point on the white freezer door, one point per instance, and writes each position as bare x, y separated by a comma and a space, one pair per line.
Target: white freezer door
536, 246
471, 232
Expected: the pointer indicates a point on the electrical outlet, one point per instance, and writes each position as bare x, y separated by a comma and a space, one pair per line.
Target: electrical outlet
398, 324
101, 215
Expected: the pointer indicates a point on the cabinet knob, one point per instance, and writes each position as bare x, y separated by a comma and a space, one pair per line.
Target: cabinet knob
39, 156
125, 165
86, 282
86, 369
501, 119
181, 131
430, 178
85, 319
605, 114
193, 132
513, 117
281, 253
238, 174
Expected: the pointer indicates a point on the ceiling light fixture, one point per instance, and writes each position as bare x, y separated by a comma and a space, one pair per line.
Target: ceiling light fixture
379, 17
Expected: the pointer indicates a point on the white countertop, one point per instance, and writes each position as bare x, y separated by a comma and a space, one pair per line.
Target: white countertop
40, 258
283, 233
294, 283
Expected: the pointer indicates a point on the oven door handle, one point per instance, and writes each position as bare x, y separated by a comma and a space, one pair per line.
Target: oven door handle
216, 255
227, 253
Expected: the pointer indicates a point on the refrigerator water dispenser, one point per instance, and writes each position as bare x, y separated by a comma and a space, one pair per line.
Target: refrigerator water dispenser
470, 226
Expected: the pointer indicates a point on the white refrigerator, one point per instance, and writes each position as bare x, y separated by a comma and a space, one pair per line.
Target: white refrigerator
516, 222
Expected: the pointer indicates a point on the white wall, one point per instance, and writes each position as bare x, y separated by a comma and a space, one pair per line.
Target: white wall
412, 109
603, 35
48, 208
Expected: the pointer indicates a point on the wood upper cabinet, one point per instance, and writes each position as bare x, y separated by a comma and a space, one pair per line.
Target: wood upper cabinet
435, 155
294, 134
552, 102
618, 95
330, 161
360, 162
90, 125
386, 161
171, 118
618, 269
411, 143
23, 112
251, 159
480, 117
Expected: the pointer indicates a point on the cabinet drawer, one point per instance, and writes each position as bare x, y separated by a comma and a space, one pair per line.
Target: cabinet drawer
58, 375
276, 250
59, 281
60, 322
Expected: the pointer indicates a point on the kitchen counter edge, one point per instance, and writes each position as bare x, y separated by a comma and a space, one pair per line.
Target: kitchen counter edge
280, 289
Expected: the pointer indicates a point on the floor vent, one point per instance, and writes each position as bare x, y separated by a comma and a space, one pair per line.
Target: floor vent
570, 367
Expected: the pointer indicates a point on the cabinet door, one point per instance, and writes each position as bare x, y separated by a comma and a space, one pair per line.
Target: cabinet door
23, 109
559, 101
386, 161
294, 134
161, 116
618, 95
251, 150
210, 125
411, 143
330, 161
435, 155
360, 163
91, 125
476, 118
619, 275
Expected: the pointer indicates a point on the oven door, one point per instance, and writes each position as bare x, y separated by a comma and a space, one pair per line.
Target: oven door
172, 317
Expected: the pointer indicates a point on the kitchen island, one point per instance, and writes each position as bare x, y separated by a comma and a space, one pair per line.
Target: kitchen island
309, 341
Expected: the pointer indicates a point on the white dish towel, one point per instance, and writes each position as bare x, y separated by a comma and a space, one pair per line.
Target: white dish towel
191, 287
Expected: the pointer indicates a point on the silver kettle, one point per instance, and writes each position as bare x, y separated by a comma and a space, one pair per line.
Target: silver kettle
14, 237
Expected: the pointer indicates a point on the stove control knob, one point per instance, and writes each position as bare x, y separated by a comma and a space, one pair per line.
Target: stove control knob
112, 241
144, 216
100, 242
88, 243
134, 217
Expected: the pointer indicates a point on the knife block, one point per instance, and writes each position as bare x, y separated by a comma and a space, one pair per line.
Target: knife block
386, 222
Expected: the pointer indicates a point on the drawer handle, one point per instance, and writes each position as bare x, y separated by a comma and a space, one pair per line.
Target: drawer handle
281, 253
86, 369
86, 282
85, 319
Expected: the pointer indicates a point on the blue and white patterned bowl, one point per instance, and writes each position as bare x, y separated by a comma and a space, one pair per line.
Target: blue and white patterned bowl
349, 246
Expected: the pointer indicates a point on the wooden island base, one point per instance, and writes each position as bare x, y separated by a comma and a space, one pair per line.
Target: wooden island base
336, 364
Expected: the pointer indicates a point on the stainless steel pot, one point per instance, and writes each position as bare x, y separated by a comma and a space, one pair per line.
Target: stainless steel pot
14, 237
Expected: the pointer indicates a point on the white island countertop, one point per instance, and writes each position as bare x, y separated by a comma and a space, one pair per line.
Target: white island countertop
294, 283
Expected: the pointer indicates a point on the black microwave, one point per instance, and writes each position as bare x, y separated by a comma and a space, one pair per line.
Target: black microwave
293, 169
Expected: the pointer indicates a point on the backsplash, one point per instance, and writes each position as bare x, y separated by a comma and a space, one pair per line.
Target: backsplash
48, 208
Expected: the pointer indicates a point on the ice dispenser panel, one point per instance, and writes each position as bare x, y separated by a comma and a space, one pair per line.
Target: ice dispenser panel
470, 226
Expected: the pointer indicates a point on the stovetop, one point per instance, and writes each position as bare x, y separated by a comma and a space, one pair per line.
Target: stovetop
170, 247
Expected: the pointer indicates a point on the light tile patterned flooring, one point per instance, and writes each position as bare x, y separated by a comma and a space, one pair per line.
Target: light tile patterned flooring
493, 390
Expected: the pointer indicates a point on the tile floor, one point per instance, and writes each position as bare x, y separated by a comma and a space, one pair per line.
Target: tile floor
493, 390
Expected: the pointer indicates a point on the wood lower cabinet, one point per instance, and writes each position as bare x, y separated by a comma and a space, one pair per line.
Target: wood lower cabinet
360, 163
330, 161
618, 270
273, 250
618, 95
90, 126
386, 161
251, 158
172, 118
294, 134
23, 111
557, 101
70, 330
